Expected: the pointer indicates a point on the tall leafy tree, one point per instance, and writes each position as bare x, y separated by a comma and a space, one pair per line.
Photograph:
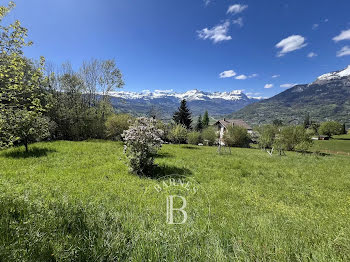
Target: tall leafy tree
183, 115
199, 124
205, 119
23, 97
330, 128
80, 109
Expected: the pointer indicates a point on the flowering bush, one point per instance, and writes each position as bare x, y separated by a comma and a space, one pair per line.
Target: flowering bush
142, 141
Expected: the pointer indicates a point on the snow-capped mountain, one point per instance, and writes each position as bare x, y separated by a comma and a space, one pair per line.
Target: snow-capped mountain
165, 102
191, 95
327, 98
334, 75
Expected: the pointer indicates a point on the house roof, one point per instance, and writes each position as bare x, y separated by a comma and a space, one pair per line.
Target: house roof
230, 122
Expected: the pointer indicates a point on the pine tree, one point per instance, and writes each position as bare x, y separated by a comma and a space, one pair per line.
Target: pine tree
199, 125
205, 119
183, 115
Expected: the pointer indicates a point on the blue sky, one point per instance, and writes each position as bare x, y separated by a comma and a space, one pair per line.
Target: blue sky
187, 44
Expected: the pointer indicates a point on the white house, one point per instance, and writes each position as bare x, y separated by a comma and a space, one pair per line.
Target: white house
225, 123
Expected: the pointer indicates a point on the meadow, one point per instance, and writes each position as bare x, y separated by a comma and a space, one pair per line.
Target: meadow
339, 144
76, 201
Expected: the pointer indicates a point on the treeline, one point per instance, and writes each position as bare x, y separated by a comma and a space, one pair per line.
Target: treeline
280, 137
80, 103
180, 130
39, 101
314, 128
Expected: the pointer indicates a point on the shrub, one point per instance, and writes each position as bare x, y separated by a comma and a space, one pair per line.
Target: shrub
178, 134
142, 141
330, 128
236, 136
116, 125
209, 136
194, 138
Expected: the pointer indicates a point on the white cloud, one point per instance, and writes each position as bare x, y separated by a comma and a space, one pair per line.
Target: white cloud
253, 75
254, 94
326, 20
238, 21
268, 86
315, 26
237, 8
228, 73
288, 85
344, 51
217, 33
241, 77
206, 2
258, 97
312, 54
275, 76
344, 35
290, 44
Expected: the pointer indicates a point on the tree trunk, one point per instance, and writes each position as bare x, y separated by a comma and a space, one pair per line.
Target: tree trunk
26, 144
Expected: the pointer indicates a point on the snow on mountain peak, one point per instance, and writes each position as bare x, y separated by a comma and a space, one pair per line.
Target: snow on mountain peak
190, 95
335, 75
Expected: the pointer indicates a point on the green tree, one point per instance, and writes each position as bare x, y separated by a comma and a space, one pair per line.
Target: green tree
178, 134
116, 124
165, 130
199, 124
267, 134
79, 110
23, 96
183, 115
344, 129
277, 122
194, 138
293, 138
314, 126
209, 136
206, 119
236, 136
330, 128
307, 121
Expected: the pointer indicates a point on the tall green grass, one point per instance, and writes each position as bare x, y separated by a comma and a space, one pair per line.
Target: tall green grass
76, 201
338, 144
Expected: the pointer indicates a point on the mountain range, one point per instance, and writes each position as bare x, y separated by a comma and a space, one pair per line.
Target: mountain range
327, 98
165, 102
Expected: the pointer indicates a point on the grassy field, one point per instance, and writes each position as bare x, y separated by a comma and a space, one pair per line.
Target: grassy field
76, 201
338, 144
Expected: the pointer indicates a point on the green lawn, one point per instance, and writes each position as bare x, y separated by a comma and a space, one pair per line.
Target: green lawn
338, 144
76, 201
